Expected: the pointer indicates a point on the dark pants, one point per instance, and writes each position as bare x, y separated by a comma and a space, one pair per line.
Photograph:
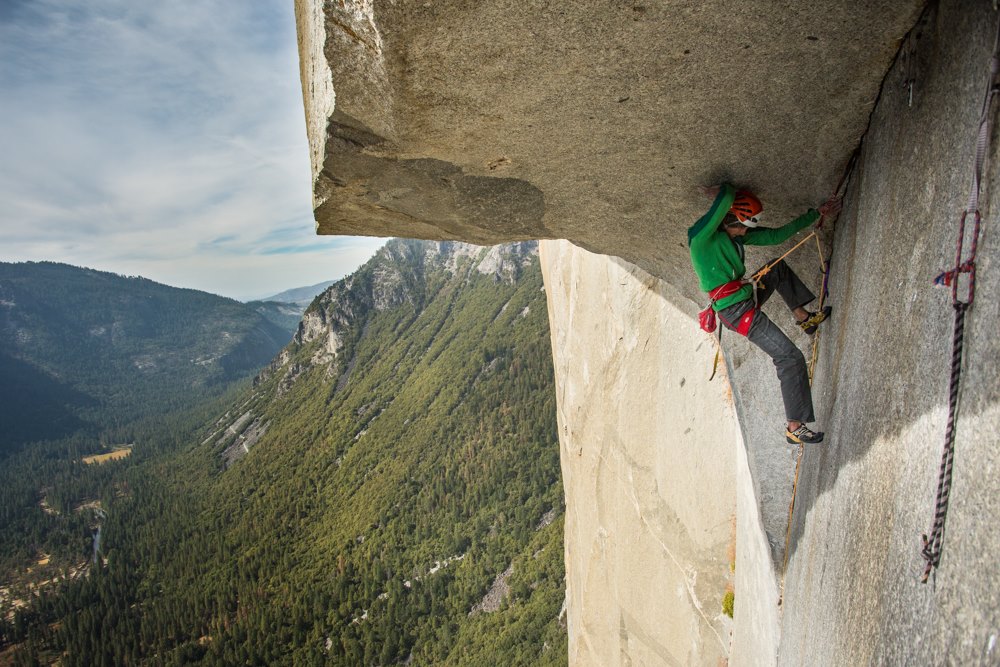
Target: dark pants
788, 360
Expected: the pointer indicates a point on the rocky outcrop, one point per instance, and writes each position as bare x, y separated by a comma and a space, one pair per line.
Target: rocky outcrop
500, 120
244, 441
395, 276
505, 262
494, 598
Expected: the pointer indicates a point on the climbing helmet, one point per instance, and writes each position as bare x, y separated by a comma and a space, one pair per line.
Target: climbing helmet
747, 208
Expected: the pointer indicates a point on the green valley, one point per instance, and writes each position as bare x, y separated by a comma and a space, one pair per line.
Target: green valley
385, 492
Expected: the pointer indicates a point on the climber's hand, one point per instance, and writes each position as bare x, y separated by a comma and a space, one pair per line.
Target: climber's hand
831, 207
709, 191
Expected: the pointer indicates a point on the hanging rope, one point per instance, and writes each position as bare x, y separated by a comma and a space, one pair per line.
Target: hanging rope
823, 293
825, 268
964, 266
715, 364
764, 270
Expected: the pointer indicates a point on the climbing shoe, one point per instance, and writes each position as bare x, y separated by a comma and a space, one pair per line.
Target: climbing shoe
803, 435
811, 323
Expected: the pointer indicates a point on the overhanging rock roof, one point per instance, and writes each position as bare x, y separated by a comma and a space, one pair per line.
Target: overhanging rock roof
497, 120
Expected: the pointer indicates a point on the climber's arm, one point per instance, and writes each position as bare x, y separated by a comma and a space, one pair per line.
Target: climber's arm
767, 236
709, 223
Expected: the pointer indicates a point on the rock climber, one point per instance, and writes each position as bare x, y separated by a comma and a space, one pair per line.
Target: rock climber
717, 243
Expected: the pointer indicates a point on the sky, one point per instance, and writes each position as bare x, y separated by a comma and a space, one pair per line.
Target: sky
161, 139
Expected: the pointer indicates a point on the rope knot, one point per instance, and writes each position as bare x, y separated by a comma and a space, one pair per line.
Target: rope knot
929, 552
948, 278
931, 555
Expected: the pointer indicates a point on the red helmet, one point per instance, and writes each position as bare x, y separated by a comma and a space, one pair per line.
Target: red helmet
747, 208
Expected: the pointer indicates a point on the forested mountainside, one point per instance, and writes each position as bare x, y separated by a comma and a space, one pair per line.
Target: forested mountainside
83, 350
387, 492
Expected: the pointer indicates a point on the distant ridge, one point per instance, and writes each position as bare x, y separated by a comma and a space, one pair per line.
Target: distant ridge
302, 296
83, 347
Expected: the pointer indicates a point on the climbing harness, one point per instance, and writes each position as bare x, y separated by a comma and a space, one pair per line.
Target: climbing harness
707, 316
965, 265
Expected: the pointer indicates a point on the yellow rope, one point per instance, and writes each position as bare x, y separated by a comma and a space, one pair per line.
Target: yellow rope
791, 507
822, 297
812, 365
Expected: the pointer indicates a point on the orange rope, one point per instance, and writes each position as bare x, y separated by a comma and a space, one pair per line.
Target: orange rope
761, 272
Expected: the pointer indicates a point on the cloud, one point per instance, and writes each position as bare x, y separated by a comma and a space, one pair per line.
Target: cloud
164, 139
247, 277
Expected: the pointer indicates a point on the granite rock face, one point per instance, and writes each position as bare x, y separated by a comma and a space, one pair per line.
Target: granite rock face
647, 451
494, 121
852, 590
499, 120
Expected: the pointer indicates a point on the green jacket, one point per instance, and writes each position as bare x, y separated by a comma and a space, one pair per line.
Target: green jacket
717, 259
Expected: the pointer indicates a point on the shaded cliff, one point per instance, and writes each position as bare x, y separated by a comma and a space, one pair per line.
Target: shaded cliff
852, 588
